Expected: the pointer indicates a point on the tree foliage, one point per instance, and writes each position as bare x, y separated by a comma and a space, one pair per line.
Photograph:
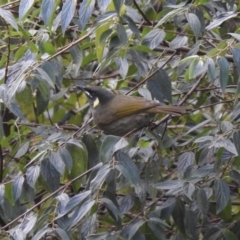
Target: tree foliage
61, 177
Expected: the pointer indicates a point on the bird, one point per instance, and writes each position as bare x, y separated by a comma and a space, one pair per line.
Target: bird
119, 115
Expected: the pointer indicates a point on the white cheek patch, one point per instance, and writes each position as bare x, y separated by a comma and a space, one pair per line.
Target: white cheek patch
96, 102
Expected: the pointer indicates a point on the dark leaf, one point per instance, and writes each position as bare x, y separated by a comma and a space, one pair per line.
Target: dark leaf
227, 144
118, 5
190, 222
174, 186
220, 19
32, 175
157, 227
235, 176
196, 68
77, 56
66, 157
236, 35
105, 35
67, 13
236, 59
224, 71
222, 194
122, 35
178, 215
160, 86
85, 12
73, 202
28, 223
113, 210
185, 160
100, 177
178, 42
127, 168
122, 64
126, 203
188, 189
57, 162
154, 38
107, 148
103, 4
194, 23
211, 69
202, 202
22, 150
9, 18
236, 141
138, 60
2, 193
24, 6
212, 233
62, 234
170, 15
50, 174
81, 212
17, 187
167, 208
41, 232
132, 25
42, 97
133, 228
47, 8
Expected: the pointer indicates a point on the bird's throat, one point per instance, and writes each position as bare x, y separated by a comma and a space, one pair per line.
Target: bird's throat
95, 103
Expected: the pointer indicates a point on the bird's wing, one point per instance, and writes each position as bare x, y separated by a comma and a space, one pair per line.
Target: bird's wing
143, 105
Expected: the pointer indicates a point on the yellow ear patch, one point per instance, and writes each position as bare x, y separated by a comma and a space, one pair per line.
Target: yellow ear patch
96, 102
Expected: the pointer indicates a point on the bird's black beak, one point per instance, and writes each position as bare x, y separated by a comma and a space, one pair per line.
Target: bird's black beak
85, 90
79, 87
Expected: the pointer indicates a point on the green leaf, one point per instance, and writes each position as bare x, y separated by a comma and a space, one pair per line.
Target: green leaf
228, 235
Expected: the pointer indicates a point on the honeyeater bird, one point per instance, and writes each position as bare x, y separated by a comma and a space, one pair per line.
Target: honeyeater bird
119, 114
